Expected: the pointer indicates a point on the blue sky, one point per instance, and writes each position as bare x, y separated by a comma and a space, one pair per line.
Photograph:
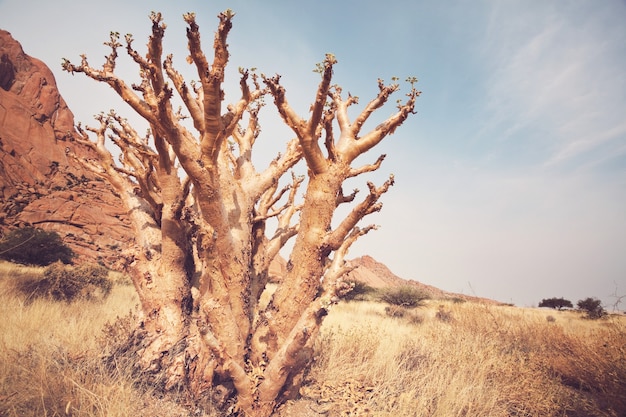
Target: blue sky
510, 179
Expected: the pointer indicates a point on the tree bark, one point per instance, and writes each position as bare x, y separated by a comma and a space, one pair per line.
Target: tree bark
201, 213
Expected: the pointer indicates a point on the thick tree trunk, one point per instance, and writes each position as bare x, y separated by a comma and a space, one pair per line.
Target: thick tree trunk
202, 253
306, 265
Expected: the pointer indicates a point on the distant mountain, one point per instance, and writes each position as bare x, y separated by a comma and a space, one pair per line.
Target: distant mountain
377, 275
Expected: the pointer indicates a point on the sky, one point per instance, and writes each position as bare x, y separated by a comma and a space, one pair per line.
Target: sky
511, 177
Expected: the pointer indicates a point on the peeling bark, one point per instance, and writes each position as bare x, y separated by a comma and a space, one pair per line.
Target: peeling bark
201, 214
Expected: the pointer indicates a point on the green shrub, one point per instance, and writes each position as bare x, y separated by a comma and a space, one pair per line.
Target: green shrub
360, 291
593, 308
556, 303
405, 296
65, 283
32, 246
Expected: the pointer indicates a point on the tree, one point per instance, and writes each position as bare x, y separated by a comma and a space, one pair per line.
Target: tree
202, 212
556, 303
592, 306
33, 246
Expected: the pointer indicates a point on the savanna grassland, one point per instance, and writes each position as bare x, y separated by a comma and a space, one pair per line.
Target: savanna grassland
444, 358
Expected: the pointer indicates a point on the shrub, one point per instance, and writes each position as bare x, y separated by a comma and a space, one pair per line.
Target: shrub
360, 291
396, 311
32, 246
405, 314
556, 303
592, 306
405, 296
116, 344
443, 315
415, 318
65, 283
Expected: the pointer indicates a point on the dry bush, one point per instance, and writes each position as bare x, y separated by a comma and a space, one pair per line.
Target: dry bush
66, 283
591, 362
443, 314
396, 311
407, 315
61, 383
11, 273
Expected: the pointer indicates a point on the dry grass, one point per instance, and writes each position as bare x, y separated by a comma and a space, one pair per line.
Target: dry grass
442, 359
469, 360
50, 355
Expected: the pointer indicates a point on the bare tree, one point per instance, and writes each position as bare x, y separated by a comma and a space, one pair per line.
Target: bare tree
200, 209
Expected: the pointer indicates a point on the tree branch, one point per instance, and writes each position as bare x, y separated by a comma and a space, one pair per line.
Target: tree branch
277, 168
329, 140
268, 201
367, 168
139, 161
369, 205
388, 127
289, 116
342, 110
193, 105
350, 145
341, 198
317, 109
306, 131
245, 139
211, 79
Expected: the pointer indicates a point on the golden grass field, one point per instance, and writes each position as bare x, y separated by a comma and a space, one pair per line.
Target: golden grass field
442, 359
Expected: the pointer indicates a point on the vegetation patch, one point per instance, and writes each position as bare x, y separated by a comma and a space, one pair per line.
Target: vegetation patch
404, 296
360, 291
592, 308
66, 283
33, 246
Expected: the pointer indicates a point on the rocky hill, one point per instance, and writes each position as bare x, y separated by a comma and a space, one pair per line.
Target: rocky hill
377, 275
40, 184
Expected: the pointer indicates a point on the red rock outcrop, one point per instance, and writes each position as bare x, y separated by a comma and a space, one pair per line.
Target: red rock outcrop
40, 183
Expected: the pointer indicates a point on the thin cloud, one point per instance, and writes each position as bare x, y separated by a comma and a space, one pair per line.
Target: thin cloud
614, 136
557, 81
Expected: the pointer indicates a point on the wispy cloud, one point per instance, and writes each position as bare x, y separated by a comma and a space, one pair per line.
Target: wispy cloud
557, 79
614, 137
